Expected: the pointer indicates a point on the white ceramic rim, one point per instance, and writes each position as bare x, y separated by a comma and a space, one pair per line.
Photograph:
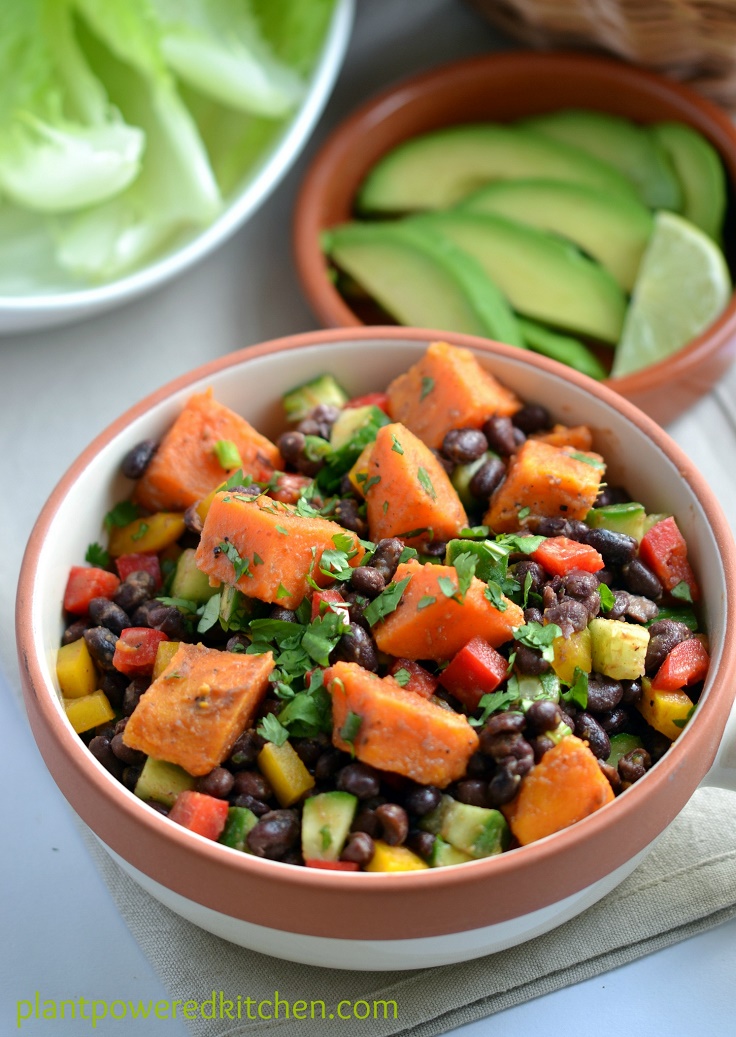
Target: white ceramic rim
268, 177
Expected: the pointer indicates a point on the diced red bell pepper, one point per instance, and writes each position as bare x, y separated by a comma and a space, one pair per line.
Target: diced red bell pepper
288, 487
202, 814
135, 651
329, 597
560, 555
84, 584
686, 664
312, 862
476, 670
371, 399
134, 563
421, 681
664, 550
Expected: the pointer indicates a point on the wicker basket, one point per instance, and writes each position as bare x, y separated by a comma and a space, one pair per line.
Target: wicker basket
693, 40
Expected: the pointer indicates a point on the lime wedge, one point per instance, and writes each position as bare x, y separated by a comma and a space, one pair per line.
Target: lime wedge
682, 286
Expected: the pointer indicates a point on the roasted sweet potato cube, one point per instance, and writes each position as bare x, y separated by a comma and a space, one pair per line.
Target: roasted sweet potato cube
447, 389
203, 701
281, 547
564, 787
578, 437
408, 490
186, 468
547, 480
427, 624
397, 731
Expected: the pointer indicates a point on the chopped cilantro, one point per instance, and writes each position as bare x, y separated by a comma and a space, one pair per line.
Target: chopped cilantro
536, 635
335, 564
425, 601
386, 602
524, 513
257, 560
227, 454
465, 565
349, 730
272, 730
282, 592
407, 553
183, 604
385, 507
240, 565
608, 599
309, 713
326, 836
411, 533
587, 459
578, 690
682, 592
681, 721
210, 614
395, 445
373, 481
402, 677
427, 387
122, 514
426, 483
494, 594
528, 581
97, 555
140, 532
322, 635
515, 542
473, 532
447, 587
238, 478
280, 529
495, 702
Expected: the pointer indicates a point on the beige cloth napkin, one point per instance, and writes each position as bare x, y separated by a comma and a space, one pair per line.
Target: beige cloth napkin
686, 884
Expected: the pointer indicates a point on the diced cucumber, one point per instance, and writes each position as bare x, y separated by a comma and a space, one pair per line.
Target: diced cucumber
477, 831
621, 744
533, 688
326, 821
432, 822
443, 854
653, 519
162, 781
619, 518
188, 582
239, 822
680, 614
351, 421
304, 398
462, 475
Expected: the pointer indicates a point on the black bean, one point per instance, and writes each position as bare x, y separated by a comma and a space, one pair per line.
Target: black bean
237, 643
546, 526
632, 692
570, 616
160, 808
74, 631
132, 694
359, 849
532, 417
530, 661
472, 791
504, 744
218, 783
463, 445
328, 764
101, 644
291, 445
357, 646
325, 413
285, 615
487, 478
603, 693
133, 757
664, 634
360, 780
520, 761
479, 766
579, 584
501, 724
520, 570
588, 728
435, 548
130, 777
366, 821
105, 613
519, 436
422, 800
614, 548
367, 581
193, 520
634, 765
502, 787
614, 720
244, 752
137, 587
499, 433
612, 776
611, 495
347, 513
640, 609
577, 530
386, 557
446, 463
308, 750
541, 744
543, 715
170, 621
257, 806
252, 783
533, 615
114, 685
102, 752
639, 579
394, 823
275, 834
138, 459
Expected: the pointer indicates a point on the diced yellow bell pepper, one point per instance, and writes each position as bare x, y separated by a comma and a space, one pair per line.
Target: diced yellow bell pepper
394, 858
358, 474
204, 505
89, 711
286, 773
164, 654
570, 652
150, 534
75, 670
666, 711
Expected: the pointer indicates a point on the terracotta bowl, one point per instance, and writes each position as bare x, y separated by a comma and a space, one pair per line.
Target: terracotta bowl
504, 87
379, 921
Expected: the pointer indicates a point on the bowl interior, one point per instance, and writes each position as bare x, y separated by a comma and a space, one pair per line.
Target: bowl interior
253, 384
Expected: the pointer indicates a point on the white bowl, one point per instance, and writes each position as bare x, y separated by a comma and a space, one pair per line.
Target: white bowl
53, 306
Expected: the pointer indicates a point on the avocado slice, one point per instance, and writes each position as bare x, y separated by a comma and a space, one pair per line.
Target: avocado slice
435, 170
563, 348
612, 230
421, 278
304, 398
542, 277
700, 171
627, 147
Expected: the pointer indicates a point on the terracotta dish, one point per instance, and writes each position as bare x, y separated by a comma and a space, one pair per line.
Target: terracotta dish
504, 87
379, 921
